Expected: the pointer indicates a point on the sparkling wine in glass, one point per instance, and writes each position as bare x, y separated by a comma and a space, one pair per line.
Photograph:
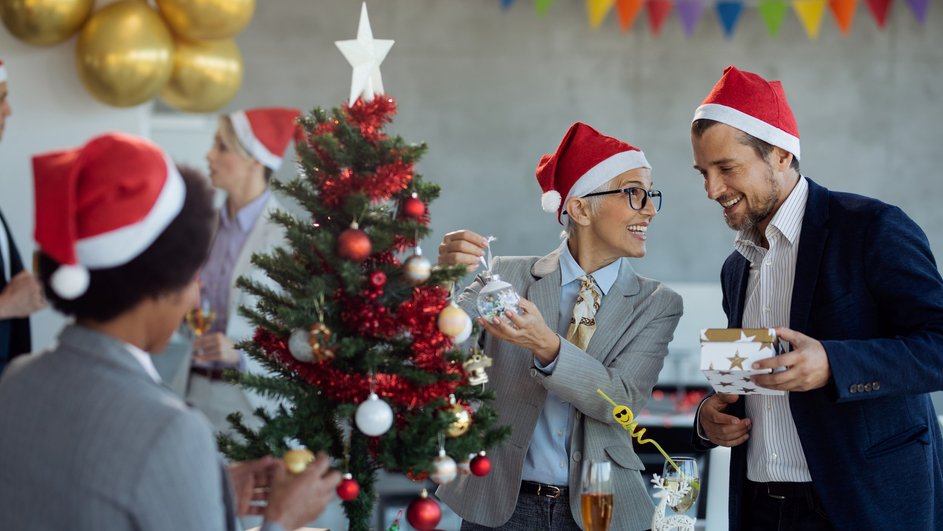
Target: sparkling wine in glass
686, 471
201, 318
596, 495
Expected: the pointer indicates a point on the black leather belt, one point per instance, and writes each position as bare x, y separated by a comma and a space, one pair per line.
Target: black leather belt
785, 490
212, 374
539, 489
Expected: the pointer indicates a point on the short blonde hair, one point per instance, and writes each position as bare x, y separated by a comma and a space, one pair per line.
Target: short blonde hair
227, 134
592, 204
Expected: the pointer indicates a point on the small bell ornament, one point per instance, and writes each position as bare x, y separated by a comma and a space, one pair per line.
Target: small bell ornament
374, 416
497, 295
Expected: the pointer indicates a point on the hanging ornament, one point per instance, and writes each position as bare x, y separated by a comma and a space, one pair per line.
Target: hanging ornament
414, 208
466, 333
423, 513
354, 244
378, 279
374, 416
348, 489
475, 367
299, 344
452, 320
481, 464
444, 469
319, 340
463, 420
497, 295
417, 268
297, 460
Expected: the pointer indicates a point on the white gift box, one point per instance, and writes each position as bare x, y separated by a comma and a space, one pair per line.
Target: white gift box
727, 355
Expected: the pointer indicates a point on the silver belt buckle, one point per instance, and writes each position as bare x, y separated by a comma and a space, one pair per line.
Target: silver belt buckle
556, 491
774, 496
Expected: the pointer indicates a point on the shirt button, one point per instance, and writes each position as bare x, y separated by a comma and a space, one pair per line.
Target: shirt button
766, 309
774, 457
767, 263
562, 464
559, 434
577, 456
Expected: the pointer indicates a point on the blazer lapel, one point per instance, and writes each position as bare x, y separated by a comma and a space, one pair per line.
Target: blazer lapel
736, 281
545, 291
254, 241
811, 246
617, 306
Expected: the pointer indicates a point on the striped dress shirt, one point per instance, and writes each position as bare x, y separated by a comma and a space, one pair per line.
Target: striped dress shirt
774, 451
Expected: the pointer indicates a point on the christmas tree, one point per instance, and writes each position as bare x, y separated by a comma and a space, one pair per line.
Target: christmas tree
361, 345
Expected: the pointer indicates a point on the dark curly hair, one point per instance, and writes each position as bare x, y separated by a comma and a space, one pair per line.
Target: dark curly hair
167, 265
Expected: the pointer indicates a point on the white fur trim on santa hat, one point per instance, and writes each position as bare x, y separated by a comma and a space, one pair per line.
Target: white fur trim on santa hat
70, 281
606, 170
749, 125
240, 123
550, 201
120, 246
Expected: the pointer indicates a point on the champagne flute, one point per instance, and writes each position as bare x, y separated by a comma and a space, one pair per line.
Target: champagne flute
200, 318
596, 495
686, 472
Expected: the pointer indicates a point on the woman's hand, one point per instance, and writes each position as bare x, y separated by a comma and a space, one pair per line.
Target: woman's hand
527, 330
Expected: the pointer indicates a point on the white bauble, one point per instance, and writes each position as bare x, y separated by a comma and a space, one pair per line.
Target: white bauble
374, 416
466, 333
444, 469
299, 344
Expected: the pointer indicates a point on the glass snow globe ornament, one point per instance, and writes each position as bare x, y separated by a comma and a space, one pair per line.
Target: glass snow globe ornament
497, 295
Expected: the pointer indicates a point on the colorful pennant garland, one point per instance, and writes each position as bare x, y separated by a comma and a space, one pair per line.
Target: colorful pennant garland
772, 12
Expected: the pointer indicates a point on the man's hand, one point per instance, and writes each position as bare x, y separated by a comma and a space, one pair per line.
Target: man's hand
723, 429
251, 481
806, 366
462, 247
214, 347
527, 330
22, 296
295, 500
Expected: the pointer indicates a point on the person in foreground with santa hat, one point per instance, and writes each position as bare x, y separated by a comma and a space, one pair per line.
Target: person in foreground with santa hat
851, 284
587, 322
92, 440
20, 292
247, 149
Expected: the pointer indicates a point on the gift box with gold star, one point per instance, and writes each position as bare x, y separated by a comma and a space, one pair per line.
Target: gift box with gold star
727, 355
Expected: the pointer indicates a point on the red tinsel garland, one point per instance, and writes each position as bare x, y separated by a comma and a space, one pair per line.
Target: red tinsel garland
371, 116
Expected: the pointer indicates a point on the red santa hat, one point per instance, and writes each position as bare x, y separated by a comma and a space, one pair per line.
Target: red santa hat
3, 72
753, 105
585, 160
266, 133
102, 205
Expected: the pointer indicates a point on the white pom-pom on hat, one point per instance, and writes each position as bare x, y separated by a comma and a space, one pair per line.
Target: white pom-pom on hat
70, 281
550, 201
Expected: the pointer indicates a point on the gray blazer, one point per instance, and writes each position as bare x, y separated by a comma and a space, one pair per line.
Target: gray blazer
88, 441
634, 325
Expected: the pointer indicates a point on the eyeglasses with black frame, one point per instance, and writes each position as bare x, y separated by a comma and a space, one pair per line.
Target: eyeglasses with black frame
638, 197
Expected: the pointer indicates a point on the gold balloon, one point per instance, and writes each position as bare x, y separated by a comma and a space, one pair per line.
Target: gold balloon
207, 19
124, 53
206, 75
44, 22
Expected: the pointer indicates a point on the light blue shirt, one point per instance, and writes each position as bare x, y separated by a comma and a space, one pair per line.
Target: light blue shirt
547, 459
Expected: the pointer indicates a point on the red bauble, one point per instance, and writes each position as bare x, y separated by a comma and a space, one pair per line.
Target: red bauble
480, 465
414, 208
354, 244
348, 488
378, 279
423, 513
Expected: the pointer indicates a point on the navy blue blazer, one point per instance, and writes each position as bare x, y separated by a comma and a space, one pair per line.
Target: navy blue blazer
868, 288
14, 333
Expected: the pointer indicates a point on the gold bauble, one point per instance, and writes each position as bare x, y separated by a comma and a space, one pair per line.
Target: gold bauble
462, 422
207, 19
206, 75
44, 22
124, 54
296, 461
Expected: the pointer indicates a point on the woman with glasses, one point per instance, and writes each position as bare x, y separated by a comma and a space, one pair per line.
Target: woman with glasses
587, 321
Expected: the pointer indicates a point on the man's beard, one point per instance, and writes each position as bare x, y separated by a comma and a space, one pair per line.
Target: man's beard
762, 210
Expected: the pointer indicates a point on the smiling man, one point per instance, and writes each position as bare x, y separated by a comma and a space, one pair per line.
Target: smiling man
851, 284
588, 322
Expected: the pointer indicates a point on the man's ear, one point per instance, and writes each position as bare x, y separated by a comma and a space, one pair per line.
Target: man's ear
781, 159
578, 210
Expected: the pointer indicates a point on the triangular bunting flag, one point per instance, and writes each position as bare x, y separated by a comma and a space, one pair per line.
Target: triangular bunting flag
628, 11
729, 14
596, 11
689, 11
810, 14
844, 13
773, 12
879, 11
542, 6
506, 4
658, 11
919, 7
